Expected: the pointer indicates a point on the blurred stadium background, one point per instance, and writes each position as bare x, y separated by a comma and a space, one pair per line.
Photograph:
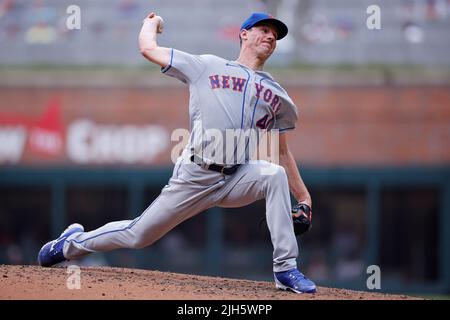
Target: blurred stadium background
85, 127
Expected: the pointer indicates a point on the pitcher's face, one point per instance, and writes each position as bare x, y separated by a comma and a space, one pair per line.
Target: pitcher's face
262, 39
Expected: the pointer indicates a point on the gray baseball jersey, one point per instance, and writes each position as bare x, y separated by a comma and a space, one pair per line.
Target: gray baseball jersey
223, 95
228, 95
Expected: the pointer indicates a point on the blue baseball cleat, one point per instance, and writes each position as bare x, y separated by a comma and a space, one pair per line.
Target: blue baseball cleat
51, 253
295, 281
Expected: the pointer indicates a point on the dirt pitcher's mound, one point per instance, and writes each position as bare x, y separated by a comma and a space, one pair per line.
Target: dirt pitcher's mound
33, 282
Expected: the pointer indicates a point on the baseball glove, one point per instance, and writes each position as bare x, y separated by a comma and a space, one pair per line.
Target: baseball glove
302, 217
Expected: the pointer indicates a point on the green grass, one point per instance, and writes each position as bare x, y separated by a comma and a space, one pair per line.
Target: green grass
293, 71
360, 68
296, 67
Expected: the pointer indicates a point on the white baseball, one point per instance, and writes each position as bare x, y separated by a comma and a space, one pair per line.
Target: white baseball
160, 24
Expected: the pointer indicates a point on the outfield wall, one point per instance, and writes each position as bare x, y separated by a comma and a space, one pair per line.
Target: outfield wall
338, 126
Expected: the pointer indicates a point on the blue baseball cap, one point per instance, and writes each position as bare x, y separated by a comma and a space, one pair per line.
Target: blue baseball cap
258, 17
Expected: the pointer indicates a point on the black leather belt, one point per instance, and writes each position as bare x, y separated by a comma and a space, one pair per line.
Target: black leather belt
215, 167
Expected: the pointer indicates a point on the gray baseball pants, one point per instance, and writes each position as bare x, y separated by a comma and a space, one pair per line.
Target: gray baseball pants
191, 190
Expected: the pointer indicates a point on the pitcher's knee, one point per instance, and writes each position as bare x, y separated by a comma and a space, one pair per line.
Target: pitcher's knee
274, 173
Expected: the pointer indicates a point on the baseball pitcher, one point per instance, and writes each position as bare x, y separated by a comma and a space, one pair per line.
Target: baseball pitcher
224, 95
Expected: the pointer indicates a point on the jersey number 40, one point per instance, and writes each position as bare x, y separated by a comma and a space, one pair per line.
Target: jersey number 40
264, 122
